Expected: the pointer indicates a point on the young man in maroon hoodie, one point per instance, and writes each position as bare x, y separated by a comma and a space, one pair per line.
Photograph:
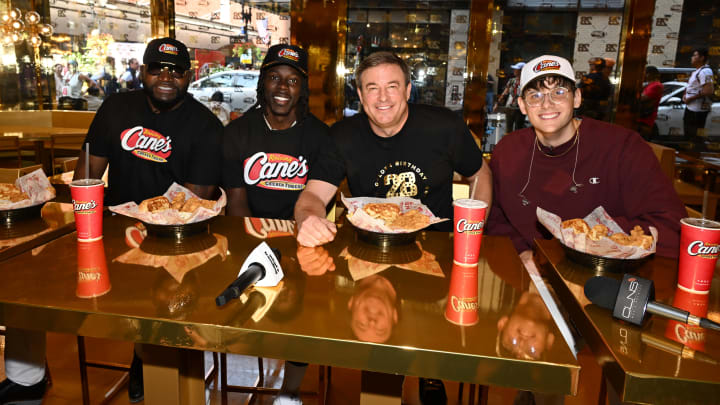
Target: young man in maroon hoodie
569, 166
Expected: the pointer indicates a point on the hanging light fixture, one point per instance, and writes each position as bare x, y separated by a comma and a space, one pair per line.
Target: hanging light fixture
14, 30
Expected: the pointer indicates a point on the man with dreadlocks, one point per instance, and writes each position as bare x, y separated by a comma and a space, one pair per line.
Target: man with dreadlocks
269, 151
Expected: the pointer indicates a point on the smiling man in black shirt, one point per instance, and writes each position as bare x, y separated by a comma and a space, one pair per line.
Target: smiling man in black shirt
270, 151
392, 149
152, 138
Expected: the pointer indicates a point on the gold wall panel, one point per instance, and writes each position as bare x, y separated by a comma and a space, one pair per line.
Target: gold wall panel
478, 53
319, 26
162, 18
634, 40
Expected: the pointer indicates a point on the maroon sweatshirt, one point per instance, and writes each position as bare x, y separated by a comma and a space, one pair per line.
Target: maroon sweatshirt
616, 168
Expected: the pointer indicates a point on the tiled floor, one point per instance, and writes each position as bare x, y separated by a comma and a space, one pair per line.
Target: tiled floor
344, 388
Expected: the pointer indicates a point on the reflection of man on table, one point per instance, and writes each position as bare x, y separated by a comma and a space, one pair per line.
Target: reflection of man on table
392, 149
569, 166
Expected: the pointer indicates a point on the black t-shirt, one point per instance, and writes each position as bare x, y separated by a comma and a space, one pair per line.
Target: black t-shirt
595, 87
147, 152
416, 162
273, 166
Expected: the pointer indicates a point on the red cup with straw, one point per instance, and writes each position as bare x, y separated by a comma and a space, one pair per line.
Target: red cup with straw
87, 199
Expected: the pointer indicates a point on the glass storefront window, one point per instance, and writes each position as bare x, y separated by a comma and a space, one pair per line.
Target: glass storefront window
432, 40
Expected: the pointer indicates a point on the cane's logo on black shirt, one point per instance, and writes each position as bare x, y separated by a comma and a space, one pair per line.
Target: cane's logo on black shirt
276, 171
146, 144
401, 179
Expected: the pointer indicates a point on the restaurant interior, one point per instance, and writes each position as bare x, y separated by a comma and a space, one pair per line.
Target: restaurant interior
460, 53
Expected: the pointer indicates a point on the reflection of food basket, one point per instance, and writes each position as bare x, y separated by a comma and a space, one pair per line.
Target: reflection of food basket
385, 240
604, 264
399, 254
18, 229
10, 216
173, 247
177, 231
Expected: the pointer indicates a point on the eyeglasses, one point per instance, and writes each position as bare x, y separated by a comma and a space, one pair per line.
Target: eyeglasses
155, 68
557, 96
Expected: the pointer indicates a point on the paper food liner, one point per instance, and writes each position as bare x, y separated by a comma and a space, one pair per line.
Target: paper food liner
604, 247
36, 185
170, 216
359, 268
179, 265
358, 217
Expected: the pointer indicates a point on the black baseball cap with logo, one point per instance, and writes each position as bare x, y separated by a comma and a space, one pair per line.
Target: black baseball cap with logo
167, 50
291, 55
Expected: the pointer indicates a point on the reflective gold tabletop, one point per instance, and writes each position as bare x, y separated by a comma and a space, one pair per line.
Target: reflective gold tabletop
346, 304
662, 362
53, 220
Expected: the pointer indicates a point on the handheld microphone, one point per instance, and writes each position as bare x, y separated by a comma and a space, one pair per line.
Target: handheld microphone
261, 268
633, 298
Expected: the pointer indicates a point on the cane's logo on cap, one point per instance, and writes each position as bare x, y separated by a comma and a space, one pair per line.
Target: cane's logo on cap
146, 144
169, 49
288, 53
545, 65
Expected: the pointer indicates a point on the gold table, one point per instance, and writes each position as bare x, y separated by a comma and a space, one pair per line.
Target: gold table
648, 364
360, 314
56, 219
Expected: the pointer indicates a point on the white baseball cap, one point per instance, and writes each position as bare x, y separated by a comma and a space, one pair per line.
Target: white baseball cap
518, 65
545, 65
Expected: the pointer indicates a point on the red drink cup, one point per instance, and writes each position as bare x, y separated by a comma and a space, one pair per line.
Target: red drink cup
93, 279
691, 336
469, 223
462, 304
699, 247
87, 198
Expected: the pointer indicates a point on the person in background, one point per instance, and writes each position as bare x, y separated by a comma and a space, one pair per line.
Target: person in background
697, 95
93, 98
130, 80
269, 154
608, 73
649, 102
219, 107
490, 93
595, 89
72, 88
186, 147
59, 81
105, 77
391, 149
513, 117
570, 166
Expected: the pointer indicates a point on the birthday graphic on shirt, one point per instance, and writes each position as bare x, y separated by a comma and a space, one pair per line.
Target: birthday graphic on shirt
276, 171
146, 144
401, 179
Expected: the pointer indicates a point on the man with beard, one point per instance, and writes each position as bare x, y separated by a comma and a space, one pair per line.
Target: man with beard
268, 155
154, 138
157, 136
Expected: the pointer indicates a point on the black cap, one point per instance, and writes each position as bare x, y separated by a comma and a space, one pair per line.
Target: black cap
167, 50
291, 55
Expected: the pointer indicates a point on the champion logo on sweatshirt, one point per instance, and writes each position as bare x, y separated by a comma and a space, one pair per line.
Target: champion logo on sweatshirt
594, 180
